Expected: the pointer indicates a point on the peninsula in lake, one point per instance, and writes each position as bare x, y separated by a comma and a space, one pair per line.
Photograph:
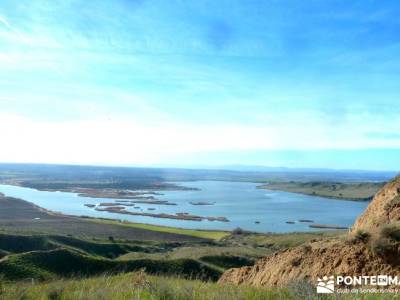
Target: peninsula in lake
355, 191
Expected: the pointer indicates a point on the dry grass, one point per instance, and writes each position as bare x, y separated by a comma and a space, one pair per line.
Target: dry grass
136, 285
139, 286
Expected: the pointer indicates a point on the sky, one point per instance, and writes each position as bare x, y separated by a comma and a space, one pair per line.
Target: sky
185, 83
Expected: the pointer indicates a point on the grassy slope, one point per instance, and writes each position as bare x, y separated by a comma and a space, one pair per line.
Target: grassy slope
79, 258
204, 234
47, 257
47, 265
345, 191
277, 241
198, 251
24, 243
234, 250
44, 256
140, 286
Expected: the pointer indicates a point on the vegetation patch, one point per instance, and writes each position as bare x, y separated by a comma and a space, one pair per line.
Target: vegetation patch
391, 231
204, 234
23, 243
227, 262
10, 243
46, 265
395, 202
278, 241
139, 286
387, 243
109, 250
382, 247
360, 236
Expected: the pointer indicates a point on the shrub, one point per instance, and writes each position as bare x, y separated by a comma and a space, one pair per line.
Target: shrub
140, 279
391, 232
1, 286
237, 230
55, 293
295, 262
306, 248
301, 289
395, 202
362, 236
382, 247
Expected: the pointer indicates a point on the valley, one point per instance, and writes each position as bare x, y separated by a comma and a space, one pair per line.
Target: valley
50, 234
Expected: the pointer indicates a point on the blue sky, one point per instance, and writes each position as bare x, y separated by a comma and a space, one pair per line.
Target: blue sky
276, 83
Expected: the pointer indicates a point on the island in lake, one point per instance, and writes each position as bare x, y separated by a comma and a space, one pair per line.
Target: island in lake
326, 226
202, 203
177, 216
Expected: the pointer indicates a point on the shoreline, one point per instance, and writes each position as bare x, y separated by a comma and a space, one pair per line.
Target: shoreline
165, 228
178, 216
41, 220
330, 191
321, 196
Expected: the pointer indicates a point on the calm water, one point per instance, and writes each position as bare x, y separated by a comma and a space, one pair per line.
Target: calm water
241, 203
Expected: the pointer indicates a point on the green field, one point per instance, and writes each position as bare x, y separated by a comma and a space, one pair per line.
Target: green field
204, 234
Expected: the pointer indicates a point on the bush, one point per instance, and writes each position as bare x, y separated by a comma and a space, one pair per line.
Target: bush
395, 202
55, 293
306, 249
237, 230
295, 262
301, 289
391, 232
382, 247
362, 236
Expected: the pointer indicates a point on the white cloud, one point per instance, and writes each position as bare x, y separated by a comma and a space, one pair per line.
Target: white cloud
104, 141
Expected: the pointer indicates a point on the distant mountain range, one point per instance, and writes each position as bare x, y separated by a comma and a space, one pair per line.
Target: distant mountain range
158, 173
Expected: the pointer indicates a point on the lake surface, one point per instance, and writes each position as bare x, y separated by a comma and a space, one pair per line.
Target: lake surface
242, 203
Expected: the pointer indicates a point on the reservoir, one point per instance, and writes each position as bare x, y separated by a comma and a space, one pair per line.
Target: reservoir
241, 202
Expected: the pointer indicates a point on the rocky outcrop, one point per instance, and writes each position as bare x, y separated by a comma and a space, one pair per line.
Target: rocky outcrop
348, 255
309, 262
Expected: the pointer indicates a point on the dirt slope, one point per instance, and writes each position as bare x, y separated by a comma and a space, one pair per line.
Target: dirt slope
384, 208
349, 255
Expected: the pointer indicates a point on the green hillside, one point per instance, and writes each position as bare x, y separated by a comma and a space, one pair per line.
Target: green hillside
46, 265
42, 266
